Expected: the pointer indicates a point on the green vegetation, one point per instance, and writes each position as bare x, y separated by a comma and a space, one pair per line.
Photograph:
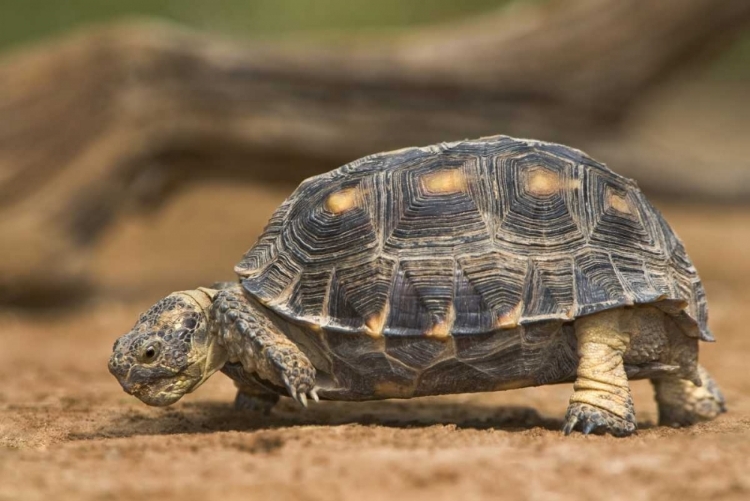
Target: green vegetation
24, 20
735, 62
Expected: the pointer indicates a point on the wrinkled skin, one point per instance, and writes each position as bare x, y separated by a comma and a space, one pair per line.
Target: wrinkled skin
168, 352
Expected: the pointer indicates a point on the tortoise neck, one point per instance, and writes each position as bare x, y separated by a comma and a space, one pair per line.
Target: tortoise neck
203, 296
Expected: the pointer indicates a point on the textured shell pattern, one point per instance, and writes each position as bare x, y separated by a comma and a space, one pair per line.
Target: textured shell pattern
466, 238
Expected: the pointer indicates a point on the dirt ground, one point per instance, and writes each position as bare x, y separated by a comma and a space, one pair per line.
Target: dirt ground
67, 431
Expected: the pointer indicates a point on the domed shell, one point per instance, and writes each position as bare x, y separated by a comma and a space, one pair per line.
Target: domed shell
467, 238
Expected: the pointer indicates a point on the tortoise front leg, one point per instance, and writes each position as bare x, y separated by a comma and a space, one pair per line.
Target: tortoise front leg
682, 403
601, 400
251, 338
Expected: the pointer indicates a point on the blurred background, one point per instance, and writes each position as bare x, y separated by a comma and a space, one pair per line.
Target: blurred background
145, 143
24, 21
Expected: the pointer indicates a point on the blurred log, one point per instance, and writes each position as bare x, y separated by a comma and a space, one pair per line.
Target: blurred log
120, 116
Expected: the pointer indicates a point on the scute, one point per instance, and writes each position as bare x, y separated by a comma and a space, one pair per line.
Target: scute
541, 204
467, 238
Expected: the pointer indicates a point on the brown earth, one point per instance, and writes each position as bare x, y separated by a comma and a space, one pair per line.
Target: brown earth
67, 431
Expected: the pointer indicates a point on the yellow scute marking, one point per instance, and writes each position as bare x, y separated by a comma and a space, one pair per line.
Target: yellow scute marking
619, 203
442, 328
390, 389
514, 385
375, 324
444, 181
343, 200
509, 320
542, 182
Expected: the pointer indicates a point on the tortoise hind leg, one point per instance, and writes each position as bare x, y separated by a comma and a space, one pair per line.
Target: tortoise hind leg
601, 401
254, 398
252, 395
682, 403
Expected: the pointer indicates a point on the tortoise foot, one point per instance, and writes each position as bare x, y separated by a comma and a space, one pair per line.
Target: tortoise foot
682, 403
295, 371
589, 419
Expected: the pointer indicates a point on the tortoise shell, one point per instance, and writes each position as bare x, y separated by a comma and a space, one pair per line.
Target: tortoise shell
468, 238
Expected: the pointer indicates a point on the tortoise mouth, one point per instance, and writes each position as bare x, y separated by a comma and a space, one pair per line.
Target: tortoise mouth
157, 399
161, 393
164, 388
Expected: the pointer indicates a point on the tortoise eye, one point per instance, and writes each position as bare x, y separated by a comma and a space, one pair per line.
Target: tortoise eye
150, 353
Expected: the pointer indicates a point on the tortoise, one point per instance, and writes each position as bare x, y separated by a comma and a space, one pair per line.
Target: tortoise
471, 266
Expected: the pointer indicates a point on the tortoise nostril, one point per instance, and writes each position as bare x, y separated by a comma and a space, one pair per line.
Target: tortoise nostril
119, 367
112, 366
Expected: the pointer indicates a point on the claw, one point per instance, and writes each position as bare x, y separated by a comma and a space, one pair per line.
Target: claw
570, 425
291, 389
303, 399
314, 394
589, 427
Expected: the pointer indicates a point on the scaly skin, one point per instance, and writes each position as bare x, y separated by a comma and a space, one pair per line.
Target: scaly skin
601, 401
682, 403
251, 338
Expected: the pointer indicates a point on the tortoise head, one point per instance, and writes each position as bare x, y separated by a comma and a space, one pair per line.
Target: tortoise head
169, 351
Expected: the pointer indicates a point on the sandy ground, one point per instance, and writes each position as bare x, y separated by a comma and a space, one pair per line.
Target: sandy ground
67, 431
